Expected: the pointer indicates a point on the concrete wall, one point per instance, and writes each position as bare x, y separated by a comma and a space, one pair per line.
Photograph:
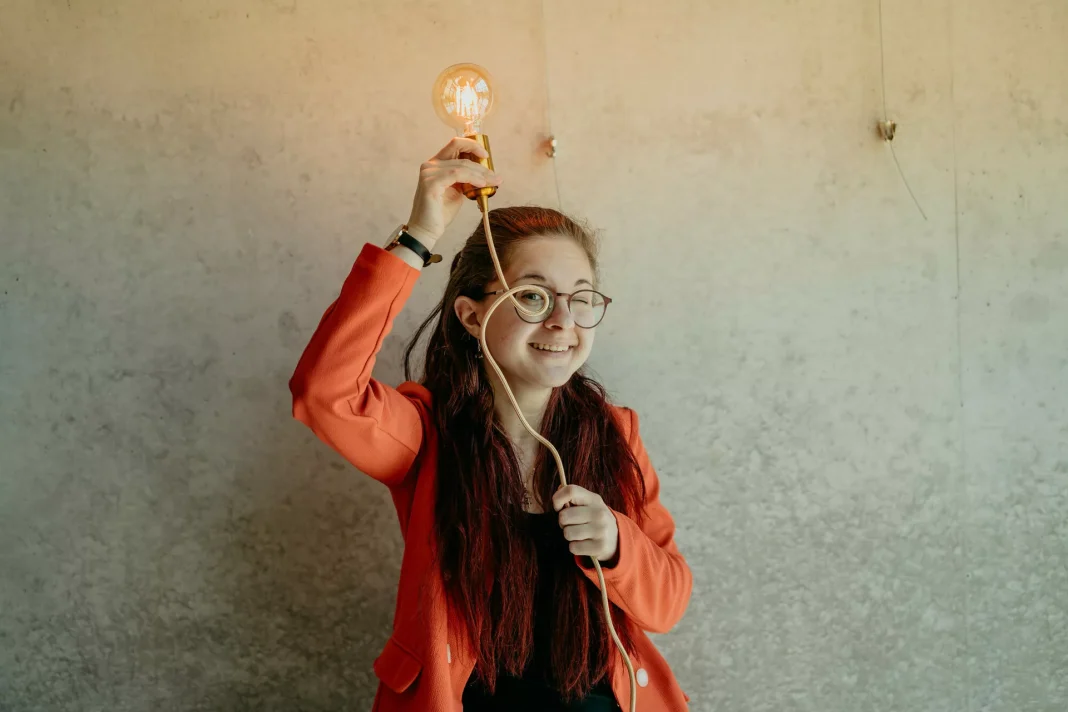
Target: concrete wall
860, 416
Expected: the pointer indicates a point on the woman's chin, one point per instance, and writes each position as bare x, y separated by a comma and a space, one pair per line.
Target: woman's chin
552, 378
540, 373
537, 379
557, 383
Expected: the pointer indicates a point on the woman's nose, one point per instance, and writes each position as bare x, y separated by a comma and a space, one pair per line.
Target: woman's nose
561, 316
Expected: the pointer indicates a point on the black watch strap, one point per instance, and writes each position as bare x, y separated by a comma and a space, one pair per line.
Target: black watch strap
418, 248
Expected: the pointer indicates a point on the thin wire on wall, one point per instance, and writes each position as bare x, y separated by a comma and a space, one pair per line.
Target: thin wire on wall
548, 100
886, 117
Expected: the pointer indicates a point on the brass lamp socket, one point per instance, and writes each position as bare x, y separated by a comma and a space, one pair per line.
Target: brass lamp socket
473, 192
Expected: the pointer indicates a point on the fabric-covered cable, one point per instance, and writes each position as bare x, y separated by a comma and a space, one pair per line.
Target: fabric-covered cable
483, 204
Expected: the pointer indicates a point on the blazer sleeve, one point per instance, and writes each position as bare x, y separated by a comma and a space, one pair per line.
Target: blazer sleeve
650, 580
370, 424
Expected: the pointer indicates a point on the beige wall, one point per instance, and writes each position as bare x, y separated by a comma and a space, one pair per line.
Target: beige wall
860, 416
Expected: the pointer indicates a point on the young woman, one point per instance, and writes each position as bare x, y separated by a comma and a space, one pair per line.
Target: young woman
498, 606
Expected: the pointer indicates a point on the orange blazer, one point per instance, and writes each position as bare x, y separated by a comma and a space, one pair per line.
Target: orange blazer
389, 434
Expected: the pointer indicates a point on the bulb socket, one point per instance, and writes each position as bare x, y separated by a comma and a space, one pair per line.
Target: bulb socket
474, 192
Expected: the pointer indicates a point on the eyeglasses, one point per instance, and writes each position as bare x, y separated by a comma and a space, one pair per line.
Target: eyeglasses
586, 306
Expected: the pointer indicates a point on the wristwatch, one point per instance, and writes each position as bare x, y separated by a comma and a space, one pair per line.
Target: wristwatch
400, 236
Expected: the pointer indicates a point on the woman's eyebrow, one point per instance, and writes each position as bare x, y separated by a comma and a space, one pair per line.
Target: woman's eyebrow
541, 278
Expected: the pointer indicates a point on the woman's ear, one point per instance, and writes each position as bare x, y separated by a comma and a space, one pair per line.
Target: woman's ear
466, 310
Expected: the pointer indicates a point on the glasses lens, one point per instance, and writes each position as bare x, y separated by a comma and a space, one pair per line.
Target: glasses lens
532, 305
587, 308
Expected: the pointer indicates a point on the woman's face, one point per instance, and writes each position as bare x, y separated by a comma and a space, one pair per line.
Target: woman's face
520, 348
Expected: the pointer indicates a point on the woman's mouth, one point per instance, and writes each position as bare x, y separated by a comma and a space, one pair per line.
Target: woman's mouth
552, 349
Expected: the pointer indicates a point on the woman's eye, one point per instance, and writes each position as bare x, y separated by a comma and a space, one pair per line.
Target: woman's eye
532, 297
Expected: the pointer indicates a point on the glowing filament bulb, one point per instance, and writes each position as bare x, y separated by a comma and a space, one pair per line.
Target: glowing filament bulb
463, 97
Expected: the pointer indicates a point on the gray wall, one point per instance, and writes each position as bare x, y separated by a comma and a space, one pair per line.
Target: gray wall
860, 416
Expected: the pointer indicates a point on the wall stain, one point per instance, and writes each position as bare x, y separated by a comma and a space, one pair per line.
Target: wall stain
18, 100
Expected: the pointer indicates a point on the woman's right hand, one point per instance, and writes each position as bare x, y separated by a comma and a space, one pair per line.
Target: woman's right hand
437, 198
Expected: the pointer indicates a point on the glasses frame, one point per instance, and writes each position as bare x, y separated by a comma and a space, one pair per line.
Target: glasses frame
554, 295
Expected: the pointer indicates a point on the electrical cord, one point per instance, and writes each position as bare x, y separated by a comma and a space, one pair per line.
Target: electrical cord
483, 204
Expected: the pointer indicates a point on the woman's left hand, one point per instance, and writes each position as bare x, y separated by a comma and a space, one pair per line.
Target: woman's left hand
588, 523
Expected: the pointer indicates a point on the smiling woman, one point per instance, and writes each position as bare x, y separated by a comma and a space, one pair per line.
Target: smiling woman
498, 562
525, 347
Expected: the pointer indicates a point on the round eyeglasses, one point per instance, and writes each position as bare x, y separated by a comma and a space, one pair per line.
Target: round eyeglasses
587, 306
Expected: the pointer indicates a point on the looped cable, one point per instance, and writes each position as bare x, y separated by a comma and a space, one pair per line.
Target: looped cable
509, 293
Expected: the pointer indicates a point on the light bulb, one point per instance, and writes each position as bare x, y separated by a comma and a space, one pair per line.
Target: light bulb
463, 97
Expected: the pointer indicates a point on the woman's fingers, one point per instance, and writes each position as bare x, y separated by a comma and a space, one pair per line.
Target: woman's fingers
585, 548
447, 173
458, 147
575, 496
588, 523
579, 532
582, 515
436, 200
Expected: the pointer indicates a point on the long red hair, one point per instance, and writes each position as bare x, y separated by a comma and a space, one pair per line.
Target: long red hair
486, 559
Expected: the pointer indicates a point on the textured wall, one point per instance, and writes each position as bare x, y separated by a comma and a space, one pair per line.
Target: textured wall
860, 416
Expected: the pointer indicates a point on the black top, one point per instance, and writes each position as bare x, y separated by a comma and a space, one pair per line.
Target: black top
532, 691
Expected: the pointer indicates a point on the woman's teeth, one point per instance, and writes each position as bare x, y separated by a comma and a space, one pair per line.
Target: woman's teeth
554, 349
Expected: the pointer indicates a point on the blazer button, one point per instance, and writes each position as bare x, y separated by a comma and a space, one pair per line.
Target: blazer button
642, 676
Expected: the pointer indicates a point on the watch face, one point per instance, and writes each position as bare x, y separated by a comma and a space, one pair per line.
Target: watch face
393, 236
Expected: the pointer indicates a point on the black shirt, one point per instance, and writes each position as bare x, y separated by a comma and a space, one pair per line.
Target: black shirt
532, 691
